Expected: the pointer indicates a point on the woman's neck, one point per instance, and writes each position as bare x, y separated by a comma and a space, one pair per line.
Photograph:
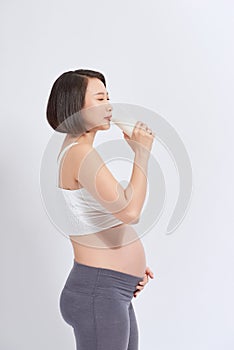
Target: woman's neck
84, 138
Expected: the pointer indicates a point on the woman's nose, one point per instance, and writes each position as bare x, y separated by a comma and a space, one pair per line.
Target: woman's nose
109, 107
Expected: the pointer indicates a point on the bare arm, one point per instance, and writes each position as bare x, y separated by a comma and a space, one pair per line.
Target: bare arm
136, 190
92, 173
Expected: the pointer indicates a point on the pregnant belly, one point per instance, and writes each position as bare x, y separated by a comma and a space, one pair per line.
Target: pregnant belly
117, 248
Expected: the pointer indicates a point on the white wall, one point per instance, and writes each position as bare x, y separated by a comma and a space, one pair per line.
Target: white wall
174, 57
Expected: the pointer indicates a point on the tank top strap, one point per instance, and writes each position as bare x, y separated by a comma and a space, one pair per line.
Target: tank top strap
64, 151
60, 157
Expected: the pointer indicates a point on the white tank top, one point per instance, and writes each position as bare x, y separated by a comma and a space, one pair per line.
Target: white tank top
87, 214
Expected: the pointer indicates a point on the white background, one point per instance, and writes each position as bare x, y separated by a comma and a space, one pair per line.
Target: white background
174, 57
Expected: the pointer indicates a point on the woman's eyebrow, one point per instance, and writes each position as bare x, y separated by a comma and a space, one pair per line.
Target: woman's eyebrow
100, 93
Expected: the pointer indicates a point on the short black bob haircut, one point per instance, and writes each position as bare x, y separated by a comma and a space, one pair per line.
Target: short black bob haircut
67, 98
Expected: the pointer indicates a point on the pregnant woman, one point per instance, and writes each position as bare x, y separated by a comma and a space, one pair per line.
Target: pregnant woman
109, 265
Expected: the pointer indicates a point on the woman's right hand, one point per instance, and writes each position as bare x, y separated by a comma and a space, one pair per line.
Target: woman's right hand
141, 139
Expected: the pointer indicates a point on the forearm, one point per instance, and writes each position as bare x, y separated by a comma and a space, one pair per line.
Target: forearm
135, 192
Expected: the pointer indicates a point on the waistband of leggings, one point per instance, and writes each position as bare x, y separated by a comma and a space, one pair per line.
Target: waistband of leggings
109, 272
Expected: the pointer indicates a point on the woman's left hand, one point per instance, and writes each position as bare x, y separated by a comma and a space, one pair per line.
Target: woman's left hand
145, 280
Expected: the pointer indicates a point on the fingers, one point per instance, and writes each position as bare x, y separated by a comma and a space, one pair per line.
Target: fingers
143, 126
141, 285
149, 272
145, 280
139, 289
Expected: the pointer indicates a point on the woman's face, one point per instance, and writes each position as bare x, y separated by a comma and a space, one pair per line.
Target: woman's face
97, 106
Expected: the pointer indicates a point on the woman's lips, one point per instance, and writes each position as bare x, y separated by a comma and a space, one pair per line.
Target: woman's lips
109, 118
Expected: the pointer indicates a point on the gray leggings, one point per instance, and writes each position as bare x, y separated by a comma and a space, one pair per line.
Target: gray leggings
96, 302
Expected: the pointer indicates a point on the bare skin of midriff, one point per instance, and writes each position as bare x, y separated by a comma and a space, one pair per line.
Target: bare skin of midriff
116, 248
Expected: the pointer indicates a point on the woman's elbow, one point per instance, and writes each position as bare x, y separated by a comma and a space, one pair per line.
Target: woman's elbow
131, 218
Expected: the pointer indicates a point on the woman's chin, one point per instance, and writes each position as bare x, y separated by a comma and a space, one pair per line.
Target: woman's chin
105, 126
